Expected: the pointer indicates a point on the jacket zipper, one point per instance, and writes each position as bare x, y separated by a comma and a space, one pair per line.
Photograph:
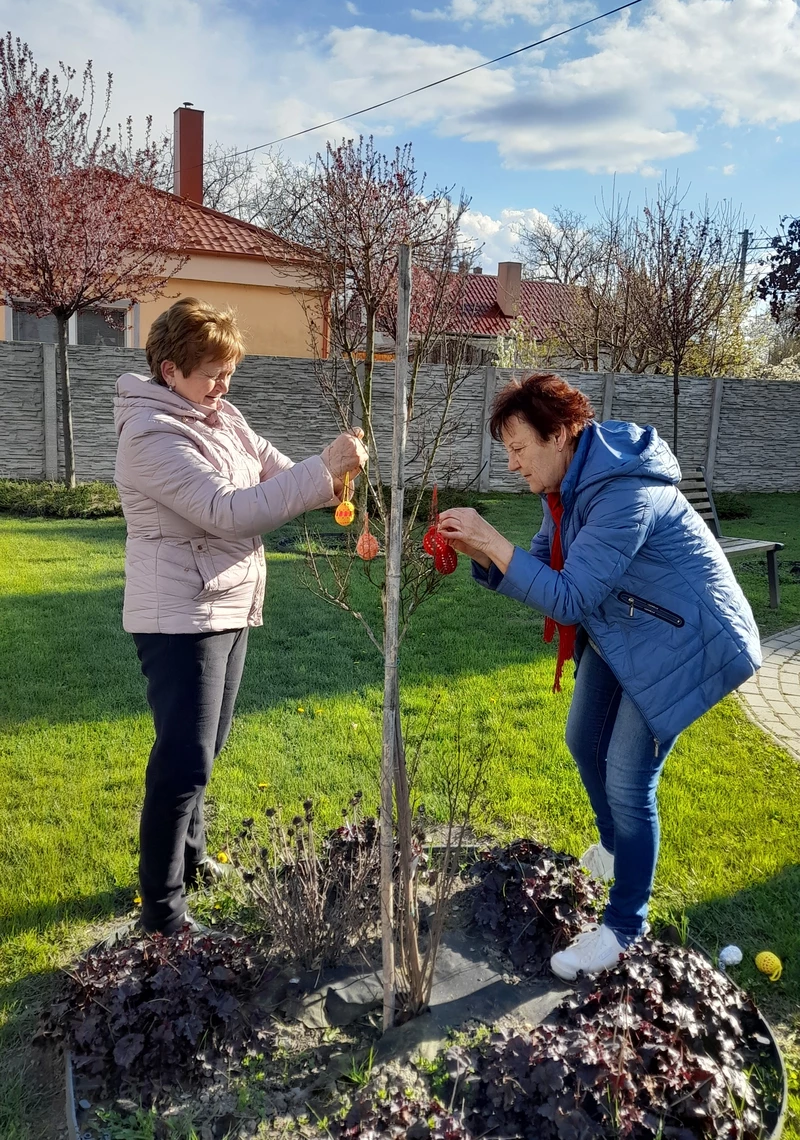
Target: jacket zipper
635, 603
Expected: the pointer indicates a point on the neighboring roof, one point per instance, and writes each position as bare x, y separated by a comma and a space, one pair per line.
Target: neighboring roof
209, 231
541, 305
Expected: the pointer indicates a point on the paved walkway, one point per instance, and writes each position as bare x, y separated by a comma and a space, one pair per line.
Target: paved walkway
772, 697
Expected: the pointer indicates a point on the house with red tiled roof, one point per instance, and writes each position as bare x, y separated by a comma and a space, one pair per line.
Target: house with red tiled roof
491, 307
229, 263
494, 302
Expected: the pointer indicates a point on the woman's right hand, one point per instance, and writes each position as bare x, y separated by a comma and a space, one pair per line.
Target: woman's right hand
346, 455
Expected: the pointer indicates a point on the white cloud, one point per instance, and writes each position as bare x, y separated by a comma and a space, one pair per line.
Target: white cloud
496, 236
500, 12
631, 102
729, 169
351, 8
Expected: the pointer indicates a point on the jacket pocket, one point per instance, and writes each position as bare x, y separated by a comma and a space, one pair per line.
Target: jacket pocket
220, 566
635, 603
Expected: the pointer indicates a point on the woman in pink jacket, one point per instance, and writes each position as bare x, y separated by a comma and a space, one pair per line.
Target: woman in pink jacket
198, 489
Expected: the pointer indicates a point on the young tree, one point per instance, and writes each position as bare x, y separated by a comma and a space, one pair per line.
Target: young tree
597, 321
271, 191
685, 274
82, 222
361, 206
364, 208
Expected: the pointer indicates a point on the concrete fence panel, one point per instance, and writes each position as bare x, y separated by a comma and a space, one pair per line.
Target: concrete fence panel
744, 431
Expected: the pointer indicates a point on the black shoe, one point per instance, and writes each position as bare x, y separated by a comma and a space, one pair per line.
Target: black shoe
207, 872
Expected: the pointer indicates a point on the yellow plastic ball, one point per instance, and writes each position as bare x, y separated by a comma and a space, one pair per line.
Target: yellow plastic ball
769, 964
345, 513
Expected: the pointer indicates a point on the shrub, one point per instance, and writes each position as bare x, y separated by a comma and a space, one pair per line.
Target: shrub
732, 506
315, 903
161, 1011
44, 499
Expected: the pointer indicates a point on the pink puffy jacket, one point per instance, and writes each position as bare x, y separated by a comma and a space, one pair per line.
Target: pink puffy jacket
198, 488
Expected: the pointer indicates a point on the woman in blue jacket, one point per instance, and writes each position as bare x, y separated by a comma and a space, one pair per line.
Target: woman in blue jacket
643, 598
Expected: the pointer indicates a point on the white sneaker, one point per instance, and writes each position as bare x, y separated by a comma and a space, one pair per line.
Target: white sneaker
599, 863
595, 950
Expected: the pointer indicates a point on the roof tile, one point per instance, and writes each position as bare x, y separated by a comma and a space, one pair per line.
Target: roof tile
541, 302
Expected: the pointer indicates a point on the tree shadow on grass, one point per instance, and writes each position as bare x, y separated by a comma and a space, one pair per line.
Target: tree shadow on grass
65, 658
32, 1096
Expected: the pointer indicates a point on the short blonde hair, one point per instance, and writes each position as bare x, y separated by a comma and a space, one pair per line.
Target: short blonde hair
188, 332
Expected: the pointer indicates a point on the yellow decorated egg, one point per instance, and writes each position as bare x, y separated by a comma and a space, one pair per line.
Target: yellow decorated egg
345, 513
769, 964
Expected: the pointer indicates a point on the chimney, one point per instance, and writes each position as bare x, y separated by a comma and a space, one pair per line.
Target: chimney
188, 154
509, 283
477, 271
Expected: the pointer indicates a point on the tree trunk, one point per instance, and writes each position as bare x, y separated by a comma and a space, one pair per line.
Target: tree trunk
66, 403
391, 634
676, 391
362, 497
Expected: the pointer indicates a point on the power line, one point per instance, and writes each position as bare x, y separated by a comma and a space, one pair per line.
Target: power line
437, 82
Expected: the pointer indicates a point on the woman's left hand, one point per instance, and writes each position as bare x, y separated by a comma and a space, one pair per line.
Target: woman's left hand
464, 529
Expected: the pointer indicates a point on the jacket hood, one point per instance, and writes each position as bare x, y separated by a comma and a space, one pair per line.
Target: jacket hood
618, 450
136, 394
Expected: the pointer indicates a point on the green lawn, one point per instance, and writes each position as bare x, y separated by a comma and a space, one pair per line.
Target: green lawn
75, 733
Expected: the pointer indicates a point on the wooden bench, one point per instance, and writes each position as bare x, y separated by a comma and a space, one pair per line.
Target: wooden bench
694, 487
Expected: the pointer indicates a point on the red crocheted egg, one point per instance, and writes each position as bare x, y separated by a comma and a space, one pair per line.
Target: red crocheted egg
445, 558
429, 541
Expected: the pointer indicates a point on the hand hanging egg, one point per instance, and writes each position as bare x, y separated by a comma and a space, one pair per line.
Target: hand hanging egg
367, 546
346, 511
444, 556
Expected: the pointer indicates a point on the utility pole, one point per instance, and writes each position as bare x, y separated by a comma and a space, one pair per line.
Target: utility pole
746, 235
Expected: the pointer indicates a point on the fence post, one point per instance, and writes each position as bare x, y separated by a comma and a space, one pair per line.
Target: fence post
50, 403
608, 396
485, 467
713, 429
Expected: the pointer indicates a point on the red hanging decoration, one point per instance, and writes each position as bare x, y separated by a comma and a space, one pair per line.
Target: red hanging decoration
445, 558
367, 546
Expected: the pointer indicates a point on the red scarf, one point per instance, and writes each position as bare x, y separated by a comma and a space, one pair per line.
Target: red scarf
566, 633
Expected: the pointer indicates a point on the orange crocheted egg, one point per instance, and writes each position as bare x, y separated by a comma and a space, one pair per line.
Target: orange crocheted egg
367, 546
345, 513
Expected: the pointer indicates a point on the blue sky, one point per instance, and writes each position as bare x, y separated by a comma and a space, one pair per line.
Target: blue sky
709, 89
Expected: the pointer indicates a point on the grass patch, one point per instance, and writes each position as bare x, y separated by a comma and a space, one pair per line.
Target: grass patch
75, 734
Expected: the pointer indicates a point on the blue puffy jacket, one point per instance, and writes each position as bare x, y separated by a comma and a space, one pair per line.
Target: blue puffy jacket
643, 575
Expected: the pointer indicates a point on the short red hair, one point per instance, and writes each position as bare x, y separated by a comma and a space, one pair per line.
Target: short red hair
544, 401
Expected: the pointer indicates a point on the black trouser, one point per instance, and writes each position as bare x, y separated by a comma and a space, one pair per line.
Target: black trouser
192, 682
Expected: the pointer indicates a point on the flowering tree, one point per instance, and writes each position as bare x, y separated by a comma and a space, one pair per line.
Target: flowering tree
361, 205
82, 222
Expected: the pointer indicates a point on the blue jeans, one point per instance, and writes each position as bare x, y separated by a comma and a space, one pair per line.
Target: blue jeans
620, 764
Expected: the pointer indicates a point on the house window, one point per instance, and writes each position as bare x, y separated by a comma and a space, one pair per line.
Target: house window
29, 327
102, 327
